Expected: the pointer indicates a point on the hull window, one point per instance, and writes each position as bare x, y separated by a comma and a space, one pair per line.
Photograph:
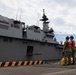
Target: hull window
3, 26
7, 39
42, 44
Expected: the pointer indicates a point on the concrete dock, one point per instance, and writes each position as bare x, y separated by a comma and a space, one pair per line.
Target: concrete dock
44, 69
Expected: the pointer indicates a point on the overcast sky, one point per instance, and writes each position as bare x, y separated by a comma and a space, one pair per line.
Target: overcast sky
61, 13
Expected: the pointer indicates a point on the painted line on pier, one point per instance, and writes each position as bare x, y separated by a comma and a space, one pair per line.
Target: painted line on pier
60, 72
20, 63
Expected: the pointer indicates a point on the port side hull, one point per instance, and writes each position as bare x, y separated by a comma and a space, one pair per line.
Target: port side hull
16, 50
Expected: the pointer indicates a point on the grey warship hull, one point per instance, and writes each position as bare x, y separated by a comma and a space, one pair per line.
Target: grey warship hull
20, 43
26, 50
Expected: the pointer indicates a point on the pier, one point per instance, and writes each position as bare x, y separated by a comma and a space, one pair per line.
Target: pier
43, 69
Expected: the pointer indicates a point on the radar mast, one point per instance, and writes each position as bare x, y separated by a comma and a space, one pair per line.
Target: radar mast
45, 22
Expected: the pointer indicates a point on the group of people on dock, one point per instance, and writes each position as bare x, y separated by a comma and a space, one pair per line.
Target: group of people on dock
69, 50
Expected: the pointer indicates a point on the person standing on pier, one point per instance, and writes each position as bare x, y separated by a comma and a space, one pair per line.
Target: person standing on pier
67, 51
73, 48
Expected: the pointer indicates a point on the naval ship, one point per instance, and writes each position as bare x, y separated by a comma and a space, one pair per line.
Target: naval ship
20, 43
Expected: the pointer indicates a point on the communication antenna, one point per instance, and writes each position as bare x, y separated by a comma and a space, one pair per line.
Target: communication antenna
17, 14
20, 14
17, 11
43, 11
37, 20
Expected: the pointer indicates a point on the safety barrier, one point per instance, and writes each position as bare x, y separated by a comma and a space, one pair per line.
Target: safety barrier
62, 61
20, 63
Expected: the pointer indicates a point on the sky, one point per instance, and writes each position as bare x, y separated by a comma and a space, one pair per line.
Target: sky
61, 14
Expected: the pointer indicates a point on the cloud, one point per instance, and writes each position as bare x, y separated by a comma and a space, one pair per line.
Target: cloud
69, 3
62, 27
61, 13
